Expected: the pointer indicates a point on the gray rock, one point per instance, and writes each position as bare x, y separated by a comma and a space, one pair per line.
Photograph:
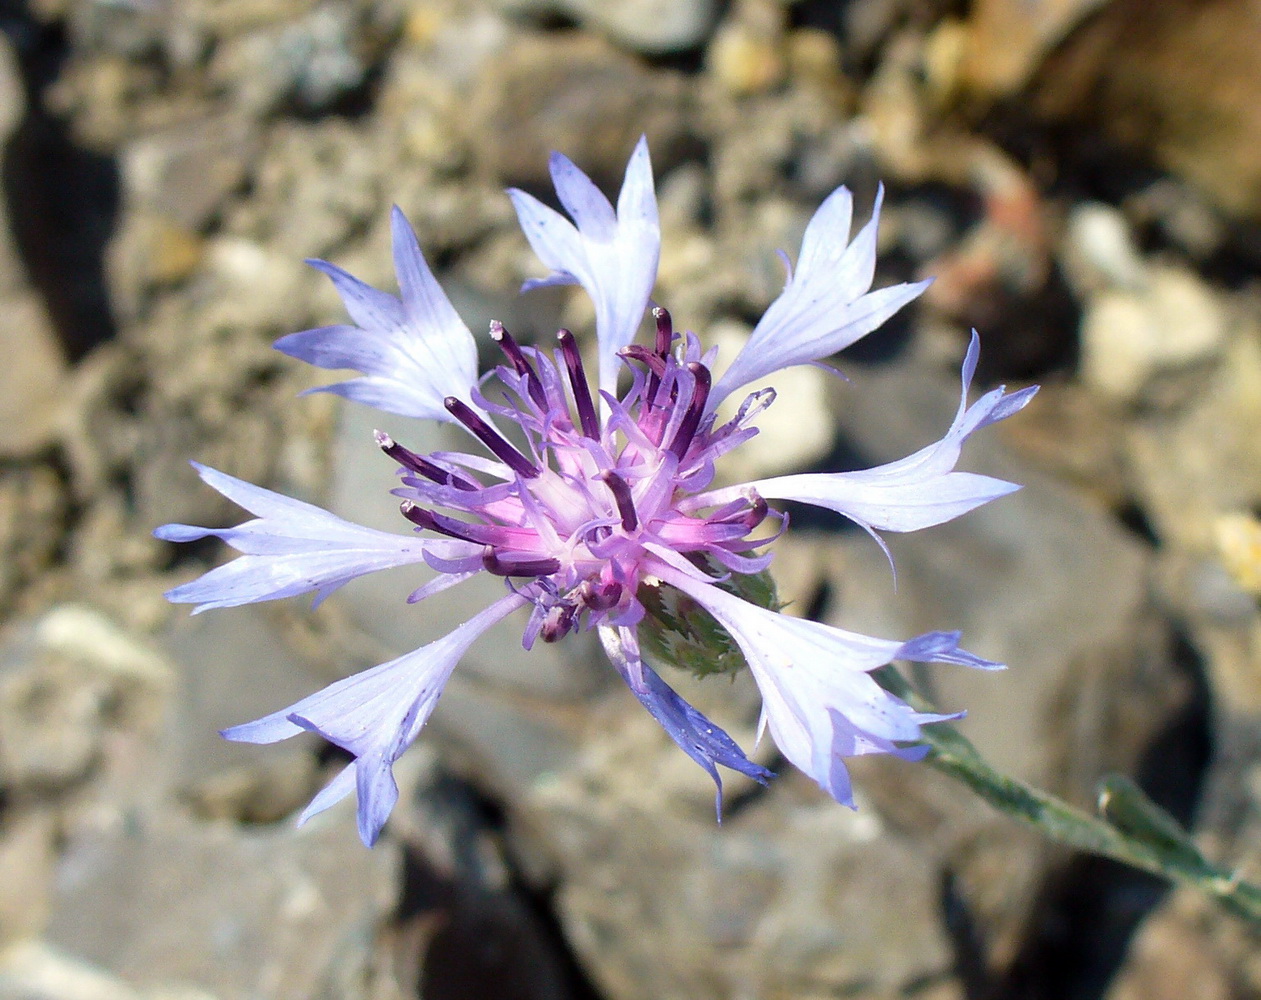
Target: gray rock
578, 94
185, 173
75, 690
80, 707
33, 380
1041, 562
466, 928
1133, 341
654, 27
235, 667
235, 913
800, 897
27, 865
33, 970
1179, 954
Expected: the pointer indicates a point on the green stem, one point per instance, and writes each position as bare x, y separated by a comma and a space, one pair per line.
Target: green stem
1135, 830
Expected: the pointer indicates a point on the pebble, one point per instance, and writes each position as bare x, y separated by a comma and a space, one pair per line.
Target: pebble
748, 54
184, 173
32, 970
743, 62
1130, 337
69, 682
579, 94
1238, 538
1100, 251
652, 27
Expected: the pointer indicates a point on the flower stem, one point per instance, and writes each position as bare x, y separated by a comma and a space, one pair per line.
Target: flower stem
1132, 829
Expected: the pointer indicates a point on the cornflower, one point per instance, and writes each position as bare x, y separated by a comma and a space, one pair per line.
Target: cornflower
602, 504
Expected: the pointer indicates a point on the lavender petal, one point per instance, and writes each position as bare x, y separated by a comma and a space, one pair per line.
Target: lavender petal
375, 715
414, 351
291, 548
695, 735
614, 257
915, 492
823, 308
819, 701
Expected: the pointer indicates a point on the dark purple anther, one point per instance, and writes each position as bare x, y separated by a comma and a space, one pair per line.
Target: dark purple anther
665, 330
558, 622
492, 439
597, 536
654, 362
587, 416
756, 514
600, 598
449, 526
517, 567
408, 459
423, 518
665, 337
749, 513
622, 496
695, 410
512, 351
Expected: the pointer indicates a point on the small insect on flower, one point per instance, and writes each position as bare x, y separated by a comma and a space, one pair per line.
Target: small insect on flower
606, 504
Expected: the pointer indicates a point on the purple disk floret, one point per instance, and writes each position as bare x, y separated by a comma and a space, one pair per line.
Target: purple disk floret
593, 499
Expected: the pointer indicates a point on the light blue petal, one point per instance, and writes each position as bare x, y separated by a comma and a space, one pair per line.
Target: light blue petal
637, 201
585, 203
377, 792
436, 334
553, 280
337, 347
256, 499
886, 505
269, 729
291, 548
332, 793
613, 257
915, 492
943, 647
797, 331
367, 709
376, 715
551, 236
389, 395
826, 234
823, 308
694, 734
415, 350
251, 579
367, 306
819, 701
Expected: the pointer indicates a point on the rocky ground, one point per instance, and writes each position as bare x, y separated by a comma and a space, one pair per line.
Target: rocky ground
1084, 178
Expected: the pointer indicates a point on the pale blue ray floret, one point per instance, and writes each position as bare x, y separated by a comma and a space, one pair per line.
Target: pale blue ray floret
609, 497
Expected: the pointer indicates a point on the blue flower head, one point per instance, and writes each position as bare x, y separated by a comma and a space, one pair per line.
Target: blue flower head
608, 498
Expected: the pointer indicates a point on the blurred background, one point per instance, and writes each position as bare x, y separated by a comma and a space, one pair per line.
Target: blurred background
1084, 179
